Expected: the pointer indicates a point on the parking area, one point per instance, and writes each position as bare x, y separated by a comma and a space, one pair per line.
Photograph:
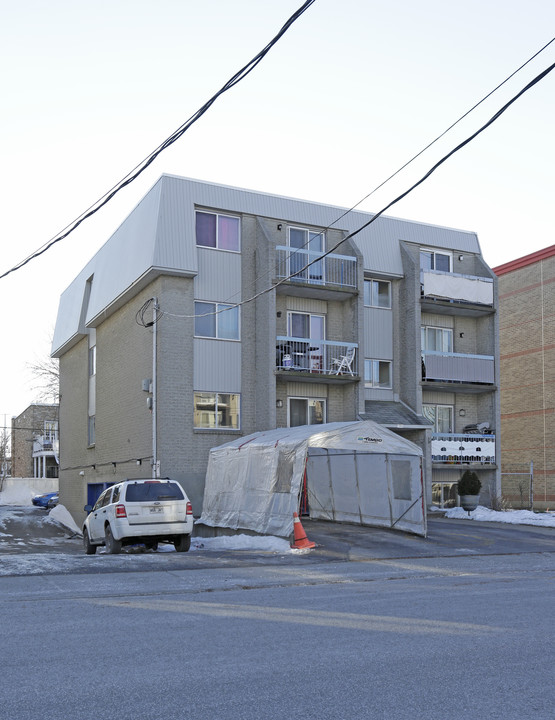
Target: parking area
31, 543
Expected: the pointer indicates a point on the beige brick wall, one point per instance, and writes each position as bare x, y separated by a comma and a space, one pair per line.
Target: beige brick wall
527, 343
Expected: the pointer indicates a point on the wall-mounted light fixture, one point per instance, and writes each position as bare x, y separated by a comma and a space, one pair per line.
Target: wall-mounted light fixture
278, 314
139, 461
461, 258
279, 403
461, 335
82, 472
279, 226
462, 412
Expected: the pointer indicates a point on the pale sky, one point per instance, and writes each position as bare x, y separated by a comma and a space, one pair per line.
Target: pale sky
350, 94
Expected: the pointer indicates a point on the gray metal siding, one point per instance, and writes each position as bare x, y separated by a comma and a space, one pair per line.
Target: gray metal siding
378, 334
159, 234
217, 365
219, 276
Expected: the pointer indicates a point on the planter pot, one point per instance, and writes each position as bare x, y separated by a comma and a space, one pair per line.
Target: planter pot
469, 502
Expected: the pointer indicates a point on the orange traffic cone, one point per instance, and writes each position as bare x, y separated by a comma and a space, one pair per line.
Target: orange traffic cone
301, 540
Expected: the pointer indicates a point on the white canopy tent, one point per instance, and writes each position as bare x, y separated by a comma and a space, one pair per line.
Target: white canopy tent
358, 472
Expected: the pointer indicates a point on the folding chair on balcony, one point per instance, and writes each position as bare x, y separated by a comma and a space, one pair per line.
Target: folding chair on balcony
344, 363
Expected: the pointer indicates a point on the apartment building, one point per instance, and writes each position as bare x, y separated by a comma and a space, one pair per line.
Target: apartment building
527, 349
213, 312
35, 442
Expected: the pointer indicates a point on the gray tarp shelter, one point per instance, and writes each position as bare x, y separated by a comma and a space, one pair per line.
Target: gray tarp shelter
357, 472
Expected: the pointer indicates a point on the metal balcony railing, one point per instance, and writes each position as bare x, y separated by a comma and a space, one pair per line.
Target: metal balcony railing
332, 270
453, 448
324, 357
457, 287
458, 367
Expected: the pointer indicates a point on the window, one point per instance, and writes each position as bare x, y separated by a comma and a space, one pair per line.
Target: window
215, 411
50, 431
218, 231
91, 430
437, 339
306, 325
377, 293
377, 373
305, 411
433, 260
309, 243
214, 320
441, 416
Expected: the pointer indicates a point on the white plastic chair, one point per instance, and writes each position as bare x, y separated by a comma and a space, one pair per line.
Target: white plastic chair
344, 363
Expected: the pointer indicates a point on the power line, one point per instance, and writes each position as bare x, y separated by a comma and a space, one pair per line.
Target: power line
295, 251
142, 166
321, 256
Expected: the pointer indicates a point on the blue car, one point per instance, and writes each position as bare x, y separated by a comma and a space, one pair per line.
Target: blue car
48, 500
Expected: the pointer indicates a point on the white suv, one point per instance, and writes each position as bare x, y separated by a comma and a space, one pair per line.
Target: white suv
139, 511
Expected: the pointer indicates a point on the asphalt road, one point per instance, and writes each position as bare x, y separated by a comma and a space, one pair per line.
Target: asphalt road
370, 624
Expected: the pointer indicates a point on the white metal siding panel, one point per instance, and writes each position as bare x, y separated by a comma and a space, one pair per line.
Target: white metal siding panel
378, 334
219, 276
217, 365
176, 234
126, 256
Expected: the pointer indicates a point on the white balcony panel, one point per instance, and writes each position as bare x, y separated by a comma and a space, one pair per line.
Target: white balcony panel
451, 286
451, 448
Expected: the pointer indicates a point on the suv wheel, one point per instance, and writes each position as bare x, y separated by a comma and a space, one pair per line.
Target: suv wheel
182, 543
89, 549
113, 546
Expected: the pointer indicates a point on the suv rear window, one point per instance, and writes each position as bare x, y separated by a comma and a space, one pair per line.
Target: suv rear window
151, 491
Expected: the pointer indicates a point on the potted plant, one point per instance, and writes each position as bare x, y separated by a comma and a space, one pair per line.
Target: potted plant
469, 486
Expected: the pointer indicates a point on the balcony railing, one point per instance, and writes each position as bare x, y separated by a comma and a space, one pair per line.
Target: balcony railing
456, 287
457, 449
333, 270
46, 444
457, 367
320, 357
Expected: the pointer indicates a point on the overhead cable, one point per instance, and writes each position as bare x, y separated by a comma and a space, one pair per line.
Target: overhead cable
142, 166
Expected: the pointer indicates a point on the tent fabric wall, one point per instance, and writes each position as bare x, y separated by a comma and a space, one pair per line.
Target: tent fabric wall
255, 482
366, 488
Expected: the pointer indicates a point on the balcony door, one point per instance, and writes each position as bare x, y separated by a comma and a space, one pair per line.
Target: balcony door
308, 351
306, 246
441, 416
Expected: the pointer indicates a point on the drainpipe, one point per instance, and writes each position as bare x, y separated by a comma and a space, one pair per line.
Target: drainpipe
155, 463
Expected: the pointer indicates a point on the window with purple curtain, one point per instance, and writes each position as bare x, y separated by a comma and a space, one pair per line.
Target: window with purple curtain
228, 233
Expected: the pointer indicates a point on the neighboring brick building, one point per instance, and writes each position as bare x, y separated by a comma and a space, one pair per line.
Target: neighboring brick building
407, 311
35, 442
527, 349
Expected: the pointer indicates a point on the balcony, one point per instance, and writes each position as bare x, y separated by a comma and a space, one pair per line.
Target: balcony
330, 273
455, 294
306, 360
453, 449
473, 373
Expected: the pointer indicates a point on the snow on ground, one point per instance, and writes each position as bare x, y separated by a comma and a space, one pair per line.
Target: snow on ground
17, 496
514, 517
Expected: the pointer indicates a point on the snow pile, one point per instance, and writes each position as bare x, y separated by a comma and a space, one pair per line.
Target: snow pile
60, 515
268, 543
17, 496
264, 543
514, 517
